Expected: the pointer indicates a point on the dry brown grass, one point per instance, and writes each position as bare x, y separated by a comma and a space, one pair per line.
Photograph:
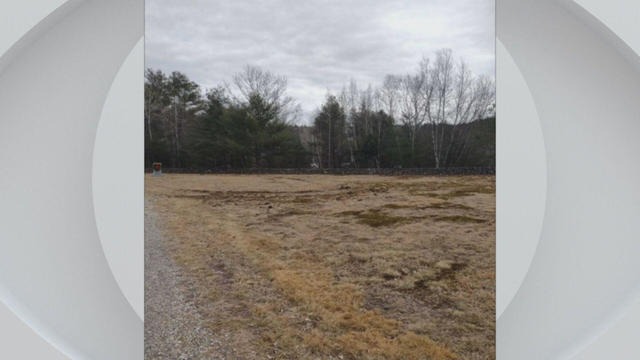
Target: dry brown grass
343, 267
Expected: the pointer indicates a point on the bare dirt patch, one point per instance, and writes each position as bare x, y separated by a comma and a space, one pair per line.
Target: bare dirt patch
338, 267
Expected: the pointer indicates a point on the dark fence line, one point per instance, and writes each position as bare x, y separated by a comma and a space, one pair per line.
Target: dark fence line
338, 171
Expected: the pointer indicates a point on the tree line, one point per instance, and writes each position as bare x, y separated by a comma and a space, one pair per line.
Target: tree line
440, 115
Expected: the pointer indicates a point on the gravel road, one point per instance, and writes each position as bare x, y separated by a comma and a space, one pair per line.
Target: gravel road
173, 327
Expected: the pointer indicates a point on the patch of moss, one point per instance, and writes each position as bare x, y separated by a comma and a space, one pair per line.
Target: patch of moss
460, 219
437, 205
349, 213
291, 212
471, 190
447, 205
466, 191
302, 199
397, 206
377, 218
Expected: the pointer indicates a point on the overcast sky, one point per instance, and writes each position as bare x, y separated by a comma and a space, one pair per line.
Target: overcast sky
317, 44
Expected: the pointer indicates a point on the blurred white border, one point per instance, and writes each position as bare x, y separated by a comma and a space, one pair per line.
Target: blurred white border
63, 289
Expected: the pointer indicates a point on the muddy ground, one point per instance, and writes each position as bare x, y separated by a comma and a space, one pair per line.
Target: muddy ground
336, 267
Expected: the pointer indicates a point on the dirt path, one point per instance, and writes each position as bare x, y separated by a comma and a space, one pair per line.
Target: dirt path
173, 327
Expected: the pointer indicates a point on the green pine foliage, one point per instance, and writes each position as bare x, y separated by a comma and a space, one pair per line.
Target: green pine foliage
185, 128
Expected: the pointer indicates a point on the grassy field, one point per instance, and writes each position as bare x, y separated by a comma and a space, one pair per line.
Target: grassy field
337, 267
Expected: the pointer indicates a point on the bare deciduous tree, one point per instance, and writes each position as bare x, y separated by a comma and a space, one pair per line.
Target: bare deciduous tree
270, 87
389, 95
349, 101
441, 77
443, 95
412, 108
456, 99
437, 107
475, 99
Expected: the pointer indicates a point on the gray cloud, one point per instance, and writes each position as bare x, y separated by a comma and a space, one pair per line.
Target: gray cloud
318, 44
